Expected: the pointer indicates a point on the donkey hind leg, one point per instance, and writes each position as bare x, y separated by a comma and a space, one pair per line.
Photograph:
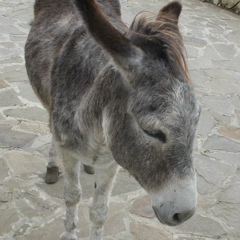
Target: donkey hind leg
52, 167
104, 179
72, 193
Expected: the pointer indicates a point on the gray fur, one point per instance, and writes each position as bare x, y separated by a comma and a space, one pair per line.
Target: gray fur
111, 106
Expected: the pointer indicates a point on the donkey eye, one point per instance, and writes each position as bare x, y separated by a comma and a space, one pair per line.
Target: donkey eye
157, 134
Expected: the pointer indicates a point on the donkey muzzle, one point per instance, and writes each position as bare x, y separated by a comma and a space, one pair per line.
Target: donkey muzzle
175, 203
172, 218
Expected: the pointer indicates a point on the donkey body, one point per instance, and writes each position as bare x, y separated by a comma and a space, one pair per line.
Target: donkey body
115, 96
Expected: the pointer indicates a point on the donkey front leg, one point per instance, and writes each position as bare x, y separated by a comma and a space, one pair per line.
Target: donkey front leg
104, 179
72, 193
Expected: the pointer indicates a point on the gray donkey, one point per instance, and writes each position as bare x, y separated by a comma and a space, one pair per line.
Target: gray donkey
115, 96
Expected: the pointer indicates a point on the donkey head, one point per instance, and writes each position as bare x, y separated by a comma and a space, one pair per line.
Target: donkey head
153, 137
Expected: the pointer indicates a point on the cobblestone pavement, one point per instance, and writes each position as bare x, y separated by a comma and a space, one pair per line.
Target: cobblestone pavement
32, 210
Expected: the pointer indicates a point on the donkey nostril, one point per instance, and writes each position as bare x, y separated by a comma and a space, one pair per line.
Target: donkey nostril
172, 219
176, 217
181, 217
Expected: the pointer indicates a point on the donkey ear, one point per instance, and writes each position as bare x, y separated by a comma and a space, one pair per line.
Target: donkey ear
122, 50
170, 12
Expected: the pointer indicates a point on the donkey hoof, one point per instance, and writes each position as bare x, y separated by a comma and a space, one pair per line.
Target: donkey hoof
52, 175
68, 236
88, 169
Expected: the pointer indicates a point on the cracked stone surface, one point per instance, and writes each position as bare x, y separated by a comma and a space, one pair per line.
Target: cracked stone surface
31, 209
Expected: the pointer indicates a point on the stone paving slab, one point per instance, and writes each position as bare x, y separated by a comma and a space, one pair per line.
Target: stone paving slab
31, 210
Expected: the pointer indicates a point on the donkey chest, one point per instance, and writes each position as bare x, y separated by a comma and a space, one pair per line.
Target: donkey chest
100, 156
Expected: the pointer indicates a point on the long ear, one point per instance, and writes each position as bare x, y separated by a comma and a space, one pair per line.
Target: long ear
170, 13
115, 43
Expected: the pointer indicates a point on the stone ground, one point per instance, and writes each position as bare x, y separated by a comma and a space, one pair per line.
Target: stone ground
33, 210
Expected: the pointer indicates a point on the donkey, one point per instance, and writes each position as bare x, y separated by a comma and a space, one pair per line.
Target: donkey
115, 96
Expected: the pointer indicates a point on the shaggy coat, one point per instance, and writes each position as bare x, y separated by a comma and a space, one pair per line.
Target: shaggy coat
115, 96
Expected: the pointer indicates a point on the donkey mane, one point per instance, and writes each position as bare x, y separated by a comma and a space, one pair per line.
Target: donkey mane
164, 38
